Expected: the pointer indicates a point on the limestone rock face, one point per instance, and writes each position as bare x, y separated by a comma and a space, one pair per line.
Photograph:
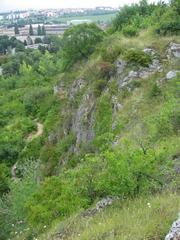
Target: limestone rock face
174, 233
76, 87
83, 121
143, 72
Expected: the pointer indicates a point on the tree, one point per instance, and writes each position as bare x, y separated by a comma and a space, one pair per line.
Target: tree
79, 42
31, 32
39, 31
16, 30
25, 43
38, 40
43, 31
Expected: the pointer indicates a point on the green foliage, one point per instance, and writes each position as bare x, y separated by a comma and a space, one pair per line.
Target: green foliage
130, 31
53, 199
103, 115
33, 98
155, 91
169, 23
99, 86
137, 57
79, 42
13, 205
128, 13
31, 32
46, 65
37, 40
111, 52
4, 179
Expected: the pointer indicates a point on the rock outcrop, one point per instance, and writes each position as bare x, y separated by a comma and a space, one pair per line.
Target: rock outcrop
83, 120
174, 233
171, 74
142, 73
173, 50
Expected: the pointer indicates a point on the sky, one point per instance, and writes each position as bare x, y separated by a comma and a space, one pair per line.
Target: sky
39, 4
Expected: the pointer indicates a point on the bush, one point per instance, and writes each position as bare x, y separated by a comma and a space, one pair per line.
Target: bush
79, 42
106, 69
103, 116
137, 57
33, 98
130, 31
38, 40
155, 91
169, 22
53, 199
111, 52
4, 179
99, 86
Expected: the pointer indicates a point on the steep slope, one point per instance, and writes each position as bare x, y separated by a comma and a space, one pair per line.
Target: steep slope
116, 133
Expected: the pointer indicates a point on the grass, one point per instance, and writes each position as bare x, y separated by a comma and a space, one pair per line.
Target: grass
96, 18
145, 218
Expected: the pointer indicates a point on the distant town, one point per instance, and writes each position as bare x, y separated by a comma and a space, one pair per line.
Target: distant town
26, 26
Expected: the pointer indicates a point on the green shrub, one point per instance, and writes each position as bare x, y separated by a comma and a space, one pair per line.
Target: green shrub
53, 199
130, 31
99, 86
155, 91
79, 42
4, 179
103, 116
106, 69
110, 52
137, 57
169, 23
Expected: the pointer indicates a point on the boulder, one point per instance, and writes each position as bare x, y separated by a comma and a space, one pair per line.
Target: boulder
171, 74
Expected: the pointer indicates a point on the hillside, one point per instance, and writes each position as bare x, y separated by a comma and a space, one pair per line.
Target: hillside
93, 121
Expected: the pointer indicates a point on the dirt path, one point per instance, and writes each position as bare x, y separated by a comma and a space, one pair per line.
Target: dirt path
36, 134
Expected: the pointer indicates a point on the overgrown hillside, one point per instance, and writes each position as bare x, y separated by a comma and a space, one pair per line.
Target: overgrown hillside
93, 116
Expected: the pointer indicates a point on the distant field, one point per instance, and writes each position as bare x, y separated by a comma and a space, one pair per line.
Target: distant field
97, 18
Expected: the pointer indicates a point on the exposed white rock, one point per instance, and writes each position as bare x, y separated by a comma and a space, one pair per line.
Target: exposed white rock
174, 50
105, 202
171, 74
142, 73
174, 233
149, 51
82, 124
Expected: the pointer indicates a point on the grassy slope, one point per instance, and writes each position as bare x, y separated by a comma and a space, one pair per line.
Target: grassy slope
134, 219
143, 218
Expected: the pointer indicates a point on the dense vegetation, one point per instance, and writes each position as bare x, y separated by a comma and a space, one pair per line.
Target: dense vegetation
99, 138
